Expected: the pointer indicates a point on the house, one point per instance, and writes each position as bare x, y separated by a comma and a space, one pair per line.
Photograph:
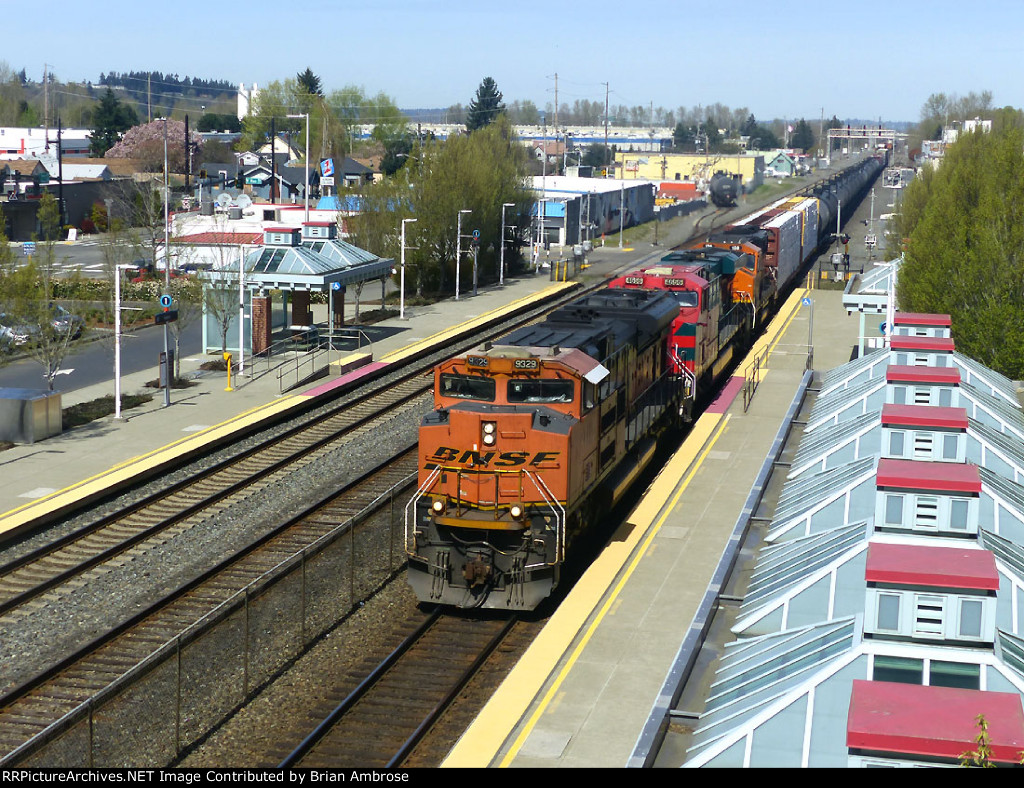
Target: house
781, 163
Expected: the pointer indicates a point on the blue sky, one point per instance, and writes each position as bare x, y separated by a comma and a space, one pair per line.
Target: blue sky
864, 59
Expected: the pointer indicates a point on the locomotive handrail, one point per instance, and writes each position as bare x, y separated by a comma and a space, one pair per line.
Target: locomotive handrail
550, 499
420, 492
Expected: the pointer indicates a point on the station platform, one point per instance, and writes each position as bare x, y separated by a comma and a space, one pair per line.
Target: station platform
582, 694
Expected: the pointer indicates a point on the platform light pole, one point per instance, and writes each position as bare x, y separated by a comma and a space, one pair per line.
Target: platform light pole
401, 289
458, 250
305, 194
167, 273
501, 263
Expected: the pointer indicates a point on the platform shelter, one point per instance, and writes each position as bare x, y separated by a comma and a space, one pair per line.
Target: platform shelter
292, 262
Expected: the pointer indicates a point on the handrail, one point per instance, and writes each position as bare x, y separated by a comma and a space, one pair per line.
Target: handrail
545, 492
420, 492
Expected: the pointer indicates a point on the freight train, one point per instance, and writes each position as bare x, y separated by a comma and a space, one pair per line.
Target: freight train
533, 436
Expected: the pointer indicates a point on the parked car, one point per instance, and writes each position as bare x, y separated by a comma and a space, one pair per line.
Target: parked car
16, 331
12, 334
65, 322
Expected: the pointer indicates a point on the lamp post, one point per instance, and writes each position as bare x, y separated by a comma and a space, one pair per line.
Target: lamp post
458, 250
305, 194
501, 264
167, 274
401, 290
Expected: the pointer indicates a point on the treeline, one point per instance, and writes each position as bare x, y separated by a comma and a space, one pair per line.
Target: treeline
139, 84
962, 228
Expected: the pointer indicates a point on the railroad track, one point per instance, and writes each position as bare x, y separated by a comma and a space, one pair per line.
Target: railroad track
81, 676
156, 519
380, 722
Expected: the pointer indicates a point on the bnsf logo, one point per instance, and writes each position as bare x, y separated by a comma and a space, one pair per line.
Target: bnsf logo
505, 459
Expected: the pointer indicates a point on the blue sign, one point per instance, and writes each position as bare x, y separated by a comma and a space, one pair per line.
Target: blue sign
28, 248
882, 327
476, 234
327, 167
166, 301
805, 301
335, 285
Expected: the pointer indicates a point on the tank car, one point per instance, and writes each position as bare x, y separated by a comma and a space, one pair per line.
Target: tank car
528, 439
724, 189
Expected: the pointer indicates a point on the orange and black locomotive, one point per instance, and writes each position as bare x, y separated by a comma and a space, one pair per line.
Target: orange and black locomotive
529, 437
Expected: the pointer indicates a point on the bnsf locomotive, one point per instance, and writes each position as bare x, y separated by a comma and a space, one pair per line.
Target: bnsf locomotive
530, 437
534, 435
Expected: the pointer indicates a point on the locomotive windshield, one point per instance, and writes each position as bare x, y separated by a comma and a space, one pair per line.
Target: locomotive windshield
467, 387
543, 390
685, 297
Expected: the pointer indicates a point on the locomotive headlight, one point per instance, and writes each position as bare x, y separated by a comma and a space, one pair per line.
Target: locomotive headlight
438, 506
489, 428
489, 439
516, 511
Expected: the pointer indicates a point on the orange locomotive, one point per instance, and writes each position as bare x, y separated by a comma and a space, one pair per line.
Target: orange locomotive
529, 438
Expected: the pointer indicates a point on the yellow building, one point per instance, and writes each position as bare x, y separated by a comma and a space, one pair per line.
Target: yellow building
691, 167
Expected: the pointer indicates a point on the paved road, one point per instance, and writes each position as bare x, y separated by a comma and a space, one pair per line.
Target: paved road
92, 362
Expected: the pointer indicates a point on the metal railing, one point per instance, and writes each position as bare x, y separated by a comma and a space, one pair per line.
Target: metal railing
305, 353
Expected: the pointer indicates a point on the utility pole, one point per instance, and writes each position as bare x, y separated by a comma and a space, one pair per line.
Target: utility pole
556, 109
606, 151
46, 102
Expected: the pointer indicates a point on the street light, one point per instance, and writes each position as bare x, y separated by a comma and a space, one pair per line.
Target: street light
305, 194
401, 296
168, 371
501, 265
458, 250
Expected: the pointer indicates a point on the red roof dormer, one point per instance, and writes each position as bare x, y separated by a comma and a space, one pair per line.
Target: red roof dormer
932, 722
924, 416
949, 568
922, 319
898, 373
922, 344
945, 477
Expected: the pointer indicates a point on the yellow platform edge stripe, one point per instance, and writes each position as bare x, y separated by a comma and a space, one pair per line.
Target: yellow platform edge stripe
33, 510
499, 717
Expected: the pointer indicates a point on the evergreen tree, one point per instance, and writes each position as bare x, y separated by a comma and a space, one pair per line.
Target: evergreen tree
485, 106
309, 82
803, 137
110, 119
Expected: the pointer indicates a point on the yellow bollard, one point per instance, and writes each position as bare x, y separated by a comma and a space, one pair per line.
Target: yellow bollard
227, 358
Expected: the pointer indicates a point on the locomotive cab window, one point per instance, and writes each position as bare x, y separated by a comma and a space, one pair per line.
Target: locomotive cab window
542, 390
467, 387
685, 297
